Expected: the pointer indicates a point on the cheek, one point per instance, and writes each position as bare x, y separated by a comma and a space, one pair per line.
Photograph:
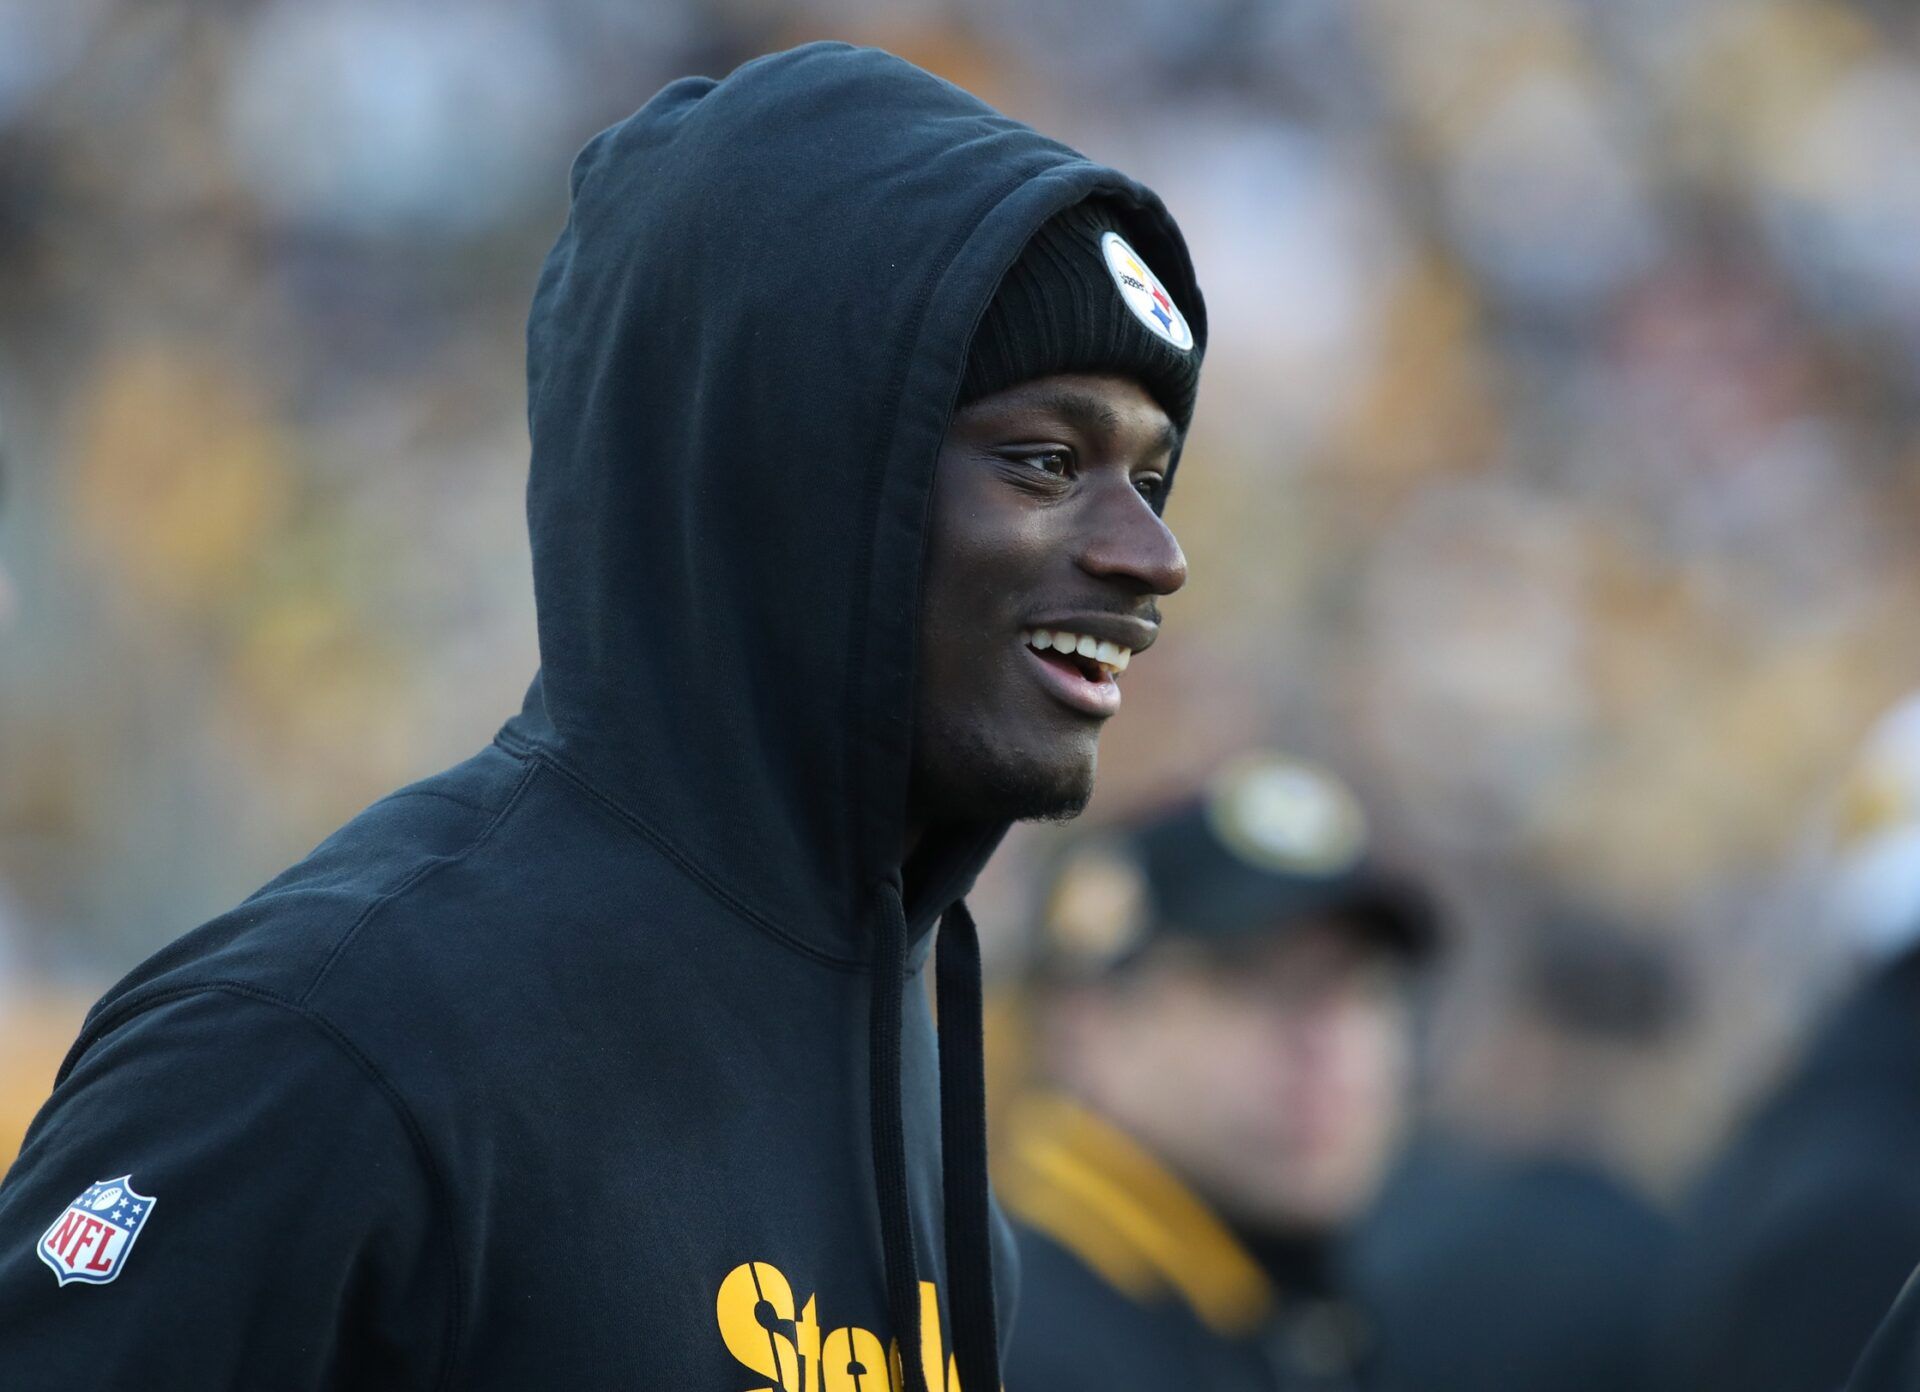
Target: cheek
1350, 1090
981, 582
986, 540
1207, 1058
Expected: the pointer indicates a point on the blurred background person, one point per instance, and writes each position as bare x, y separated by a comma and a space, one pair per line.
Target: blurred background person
1804, 1230
1516, 1252
1224, 1032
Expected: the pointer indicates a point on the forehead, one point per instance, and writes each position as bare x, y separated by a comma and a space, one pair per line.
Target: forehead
1307, 953
1102, 405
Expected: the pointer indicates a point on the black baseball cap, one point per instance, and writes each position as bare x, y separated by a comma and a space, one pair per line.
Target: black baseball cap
1271, 842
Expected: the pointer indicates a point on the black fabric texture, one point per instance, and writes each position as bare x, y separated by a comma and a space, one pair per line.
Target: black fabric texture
1512, 1271
1079, 1333
626, 1013
1056, 311
1802, 1232
963, 1128
899, 1260
1891, 1360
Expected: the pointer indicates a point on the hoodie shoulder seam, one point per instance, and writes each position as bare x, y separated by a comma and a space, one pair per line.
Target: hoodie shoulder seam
438, 796
692, 870
419, 873
115, 1019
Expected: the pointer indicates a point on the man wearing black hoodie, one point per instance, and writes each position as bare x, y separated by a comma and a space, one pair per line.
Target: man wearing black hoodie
602, 1059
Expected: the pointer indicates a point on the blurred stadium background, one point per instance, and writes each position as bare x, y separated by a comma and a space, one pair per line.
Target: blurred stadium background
1557, 473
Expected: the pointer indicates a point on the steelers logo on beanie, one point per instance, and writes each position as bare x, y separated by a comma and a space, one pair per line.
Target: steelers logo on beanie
1080, 298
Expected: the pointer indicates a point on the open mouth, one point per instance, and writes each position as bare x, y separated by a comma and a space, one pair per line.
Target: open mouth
1093, 658
1079, 669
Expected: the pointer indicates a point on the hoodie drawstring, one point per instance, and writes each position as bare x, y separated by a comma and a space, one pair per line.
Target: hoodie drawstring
890, 1134
963, 1151
963, 1146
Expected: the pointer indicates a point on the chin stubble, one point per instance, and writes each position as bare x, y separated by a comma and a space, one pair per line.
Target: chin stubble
989, 784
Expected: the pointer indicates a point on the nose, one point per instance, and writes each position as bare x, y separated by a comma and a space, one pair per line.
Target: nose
1127, 541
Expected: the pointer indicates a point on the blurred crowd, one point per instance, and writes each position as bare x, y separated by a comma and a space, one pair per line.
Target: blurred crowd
1556, 474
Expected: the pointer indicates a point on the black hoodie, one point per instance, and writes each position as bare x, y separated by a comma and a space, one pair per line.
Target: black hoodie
602, 1060
1807, 1227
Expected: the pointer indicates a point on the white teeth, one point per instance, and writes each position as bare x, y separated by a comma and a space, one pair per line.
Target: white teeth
1108, 654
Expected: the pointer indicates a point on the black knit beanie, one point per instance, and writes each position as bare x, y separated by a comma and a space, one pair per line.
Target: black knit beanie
1081, 299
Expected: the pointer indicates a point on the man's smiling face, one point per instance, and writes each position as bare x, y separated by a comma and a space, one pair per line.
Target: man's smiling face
1045, 562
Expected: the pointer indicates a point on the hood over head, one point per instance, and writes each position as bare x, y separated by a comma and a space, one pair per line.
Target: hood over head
742, 357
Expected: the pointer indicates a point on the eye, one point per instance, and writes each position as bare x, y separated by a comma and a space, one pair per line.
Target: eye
1152, 487
1056, 461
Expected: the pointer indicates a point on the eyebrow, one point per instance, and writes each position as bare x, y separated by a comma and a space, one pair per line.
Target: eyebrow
1092, 414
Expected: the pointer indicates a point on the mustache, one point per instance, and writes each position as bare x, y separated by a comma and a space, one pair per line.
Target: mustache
1147, 611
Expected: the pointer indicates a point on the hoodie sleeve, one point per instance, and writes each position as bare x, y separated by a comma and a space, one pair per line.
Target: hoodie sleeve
1792, 1307
1891, 1361
220, 1195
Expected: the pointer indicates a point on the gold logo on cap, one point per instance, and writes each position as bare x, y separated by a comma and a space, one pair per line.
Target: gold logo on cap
1098, 907
1286, 815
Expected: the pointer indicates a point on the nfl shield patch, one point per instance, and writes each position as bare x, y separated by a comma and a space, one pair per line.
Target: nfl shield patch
90, 1241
